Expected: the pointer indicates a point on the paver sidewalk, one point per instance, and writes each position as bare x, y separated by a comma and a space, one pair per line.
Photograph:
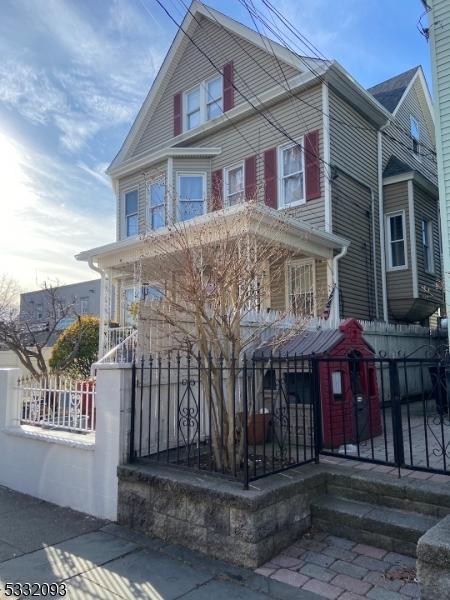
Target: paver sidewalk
43, 543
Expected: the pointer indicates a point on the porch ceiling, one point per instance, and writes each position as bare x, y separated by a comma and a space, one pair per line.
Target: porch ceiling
258, 220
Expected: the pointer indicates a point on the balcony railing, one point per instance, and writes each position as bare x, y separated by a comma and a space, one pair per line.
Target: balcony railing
57, 403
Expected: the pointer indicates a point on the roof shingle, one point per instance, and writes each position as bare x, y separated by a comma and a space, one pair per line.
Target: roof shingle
389, 92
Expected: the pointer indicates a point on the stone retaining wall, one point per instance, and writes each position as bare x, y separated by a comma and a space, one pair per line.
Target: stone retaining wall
216, 516
433, 562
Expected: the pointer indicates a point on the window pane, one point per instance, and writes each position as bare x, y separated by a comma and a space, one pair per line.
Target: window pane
189, 210
132, 225
191, 188
157, 193
292, 160
293, 189
158, 217
302, 289
214, 90
151, 292
214, 110
193, 100
396, 228
415, 131
193, 120
235, 180
398, 254
131, 202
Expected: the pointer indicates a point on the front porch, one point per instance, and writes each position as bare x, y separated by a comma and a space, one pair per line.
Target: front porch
296, 276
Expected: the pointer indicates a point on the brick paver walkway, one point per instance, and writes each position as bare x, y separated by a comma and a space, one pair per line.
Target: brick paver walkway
340, 569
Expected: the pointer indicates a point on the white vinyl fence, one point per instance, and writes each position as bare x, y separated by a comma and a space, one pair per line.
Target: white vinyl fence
57, 402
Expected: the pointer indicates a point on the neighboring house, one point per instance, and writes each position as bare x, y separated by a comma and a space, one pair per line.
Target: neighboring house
439, 37
82, 298
353, 169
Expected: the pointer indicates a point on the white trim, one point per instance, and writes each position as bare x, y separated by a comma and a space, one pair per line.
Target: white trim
226, 171
146, 160
123, 228
179, 174
419, 179
169, 191
160, 179
412, 239
203, 102
381, 225
280, 176
294, 263
326, 157
387, 216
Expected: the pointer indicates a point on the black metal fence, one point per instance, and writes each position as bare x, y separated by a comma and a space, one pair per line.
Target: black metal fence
242, 418
252, 417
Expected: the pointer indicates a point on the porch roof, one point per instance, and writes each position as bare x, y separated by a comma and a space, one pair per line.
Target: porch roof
248, 218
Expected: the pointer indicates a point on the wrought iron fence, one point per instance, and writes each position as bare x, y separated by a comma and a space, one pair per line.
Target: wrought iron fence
251, 417
57, 403
391, 411
241, 418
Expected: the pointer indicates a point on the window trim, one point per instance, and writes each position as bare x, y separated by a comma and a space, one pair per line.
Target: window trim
203, 89
296, 262
162, 179
134, 188
84, 299
225, 182
281, 177
180, 174
429, 222
387, 231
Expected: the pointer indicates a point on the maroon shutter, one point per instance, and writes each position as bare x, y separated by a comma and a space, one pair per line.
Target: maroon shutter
217, 190
312, 165
270, 178
177, 114
250, 178
228, 89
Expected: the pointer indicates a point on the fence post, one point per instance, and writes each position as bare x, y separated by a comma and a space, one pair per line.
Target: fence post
397, 426
245, 422
317, 408
133, 412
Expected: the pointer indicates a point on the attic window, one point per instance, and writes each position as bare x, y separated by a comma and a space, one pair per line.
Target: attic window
203, 103
415, 135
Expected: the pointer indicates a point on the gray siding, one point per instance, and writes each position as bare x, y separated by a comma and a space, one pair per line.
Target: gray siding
255, 134
414, 104
353, 151
426, 207
190, 67
399, 283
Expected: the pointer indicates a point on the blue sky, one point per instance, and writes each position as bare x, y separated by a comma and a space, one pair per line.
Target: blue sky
73, 75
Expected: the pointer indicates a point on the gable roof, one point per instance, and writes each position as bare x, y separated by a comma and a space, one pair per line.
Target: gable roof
390, 92
395, 166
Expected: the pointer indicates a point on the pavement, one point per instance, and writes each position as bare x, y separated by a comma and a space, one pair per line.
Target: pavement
43, 543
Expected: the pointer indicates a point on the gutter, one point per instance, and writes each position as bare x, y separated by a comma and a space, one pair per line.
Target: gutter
335, 270
101, 336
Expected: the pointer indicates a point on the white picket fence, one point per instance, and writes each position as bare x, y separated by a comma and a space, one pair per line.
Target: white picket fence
57, 403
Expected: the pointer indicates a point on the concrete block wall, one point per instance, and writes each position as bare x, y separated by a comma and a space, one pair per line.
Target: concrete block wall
68, 469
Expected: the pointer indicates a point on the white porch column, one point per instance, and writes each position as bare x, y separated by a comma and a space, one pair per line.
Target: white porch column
105, 312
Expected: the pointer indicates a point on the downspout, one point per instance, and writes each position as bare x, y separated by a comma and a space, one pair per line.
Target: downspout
101, 335
336, 308
381, 219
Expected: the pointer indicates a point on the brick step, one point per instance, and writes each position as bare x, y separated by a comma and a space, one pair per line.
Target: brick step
392, 529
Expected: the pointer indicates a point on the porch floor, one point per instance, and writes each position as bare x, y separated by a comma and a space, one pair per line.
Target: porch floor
339, 569
426, 439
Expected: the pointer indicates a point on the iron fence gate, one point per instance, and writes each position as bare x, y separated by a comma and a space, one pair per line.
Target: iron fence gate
391, 411
250, 417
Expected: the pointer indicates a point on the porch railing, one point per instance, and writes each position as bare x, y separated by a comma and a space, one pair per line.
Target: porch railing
57, 403
123, 352
116, 335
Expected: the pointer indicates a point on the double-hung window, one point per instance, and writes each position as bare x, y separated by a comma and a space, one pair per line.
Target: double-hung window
396, 240
292, 189
131, 213
131, 297
427, 244
234, 185
156, 202
191, 195
214, 102
301, 287
203, 103
415, 135
193, 108
152, 292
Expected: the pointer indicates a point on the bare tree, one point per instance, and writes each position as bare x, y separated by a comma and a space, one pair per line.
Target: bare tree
18, 334
215, 279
